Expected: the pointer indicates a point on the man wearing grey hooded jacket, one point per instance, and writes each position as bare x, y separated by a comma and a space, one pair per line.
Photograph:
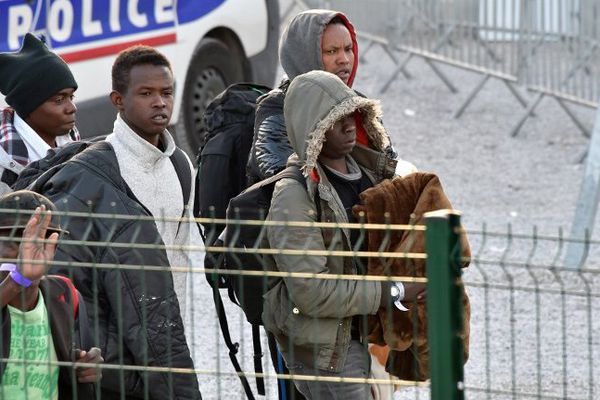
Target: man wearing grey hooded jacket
318, 323
313, 40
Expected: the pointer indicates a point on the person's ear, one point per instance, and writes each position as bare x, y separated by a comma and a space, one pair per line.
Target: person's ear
117, 99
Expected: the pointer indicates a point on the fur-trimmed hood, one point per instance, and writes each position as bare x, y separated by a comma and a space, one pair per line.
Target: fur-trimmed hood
315, 101
300, 45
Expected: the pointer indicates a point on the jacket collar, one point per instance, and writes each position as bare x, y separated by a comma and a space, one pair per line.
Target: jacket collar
145, 153
10, 140
16, 135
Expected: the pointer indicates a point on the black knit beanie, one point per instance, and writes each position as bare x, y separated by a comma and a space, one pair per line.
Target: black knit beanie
32, 75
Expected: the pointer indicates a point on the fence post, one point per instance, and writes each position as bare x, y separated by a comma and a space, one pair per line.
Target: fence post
444, 305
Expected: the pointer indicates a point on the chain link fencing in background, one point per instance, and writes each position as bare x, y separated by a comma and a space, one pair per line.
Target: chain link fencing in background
549, 47
532, 331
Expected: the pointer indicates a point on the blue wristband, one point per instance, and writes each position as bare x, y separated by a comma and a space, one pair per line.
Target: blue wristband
15, 274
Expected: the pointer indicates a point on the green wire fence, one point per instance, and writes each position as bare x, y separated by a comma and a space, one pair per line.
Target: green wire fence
534, 326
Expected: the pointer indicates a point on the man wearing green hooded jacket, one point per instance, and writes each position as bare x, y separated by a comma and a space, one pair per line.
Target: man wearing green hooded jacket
318, 323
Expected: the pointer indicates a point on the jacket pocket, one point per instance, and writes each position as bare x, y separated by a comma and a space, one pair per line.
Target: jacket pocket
282, 317
304, 330
272, 309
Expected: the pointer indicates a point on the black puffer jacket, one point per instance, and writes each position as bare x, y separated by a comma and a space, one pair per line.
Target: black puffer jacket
139, 306
270, 146
299, 52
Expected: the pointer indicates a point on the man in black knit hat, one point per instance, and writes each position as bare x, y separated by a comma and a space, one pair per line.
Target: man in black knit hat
39, 88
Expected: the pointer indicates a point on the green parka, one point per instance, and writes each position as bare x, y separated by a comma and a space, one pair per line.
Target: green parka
311, 318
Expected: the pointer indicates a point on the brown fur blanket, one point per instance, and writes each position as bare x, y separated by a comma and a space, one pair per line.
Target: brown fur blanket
404, 201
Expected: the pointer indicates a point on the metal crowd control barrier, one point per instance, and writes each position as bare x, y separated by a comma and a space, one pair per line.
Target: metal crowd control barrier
549, 47
587, 202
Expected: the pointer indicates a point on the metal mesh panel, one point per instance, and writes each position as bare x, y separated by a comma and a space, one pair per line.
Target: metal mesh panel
547, 45
531, 320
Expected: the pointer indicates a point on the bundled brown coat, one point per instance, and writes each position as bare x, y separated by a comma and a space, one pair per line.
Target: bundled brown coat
405, 200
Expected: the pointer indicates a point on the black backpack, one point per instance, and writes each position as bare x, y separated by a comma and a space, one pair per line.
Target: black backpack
250, 205
228, 132
246, 290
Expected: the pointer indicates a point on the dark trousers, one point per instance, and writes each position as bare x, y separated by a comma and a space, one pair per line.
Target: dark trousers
357, 365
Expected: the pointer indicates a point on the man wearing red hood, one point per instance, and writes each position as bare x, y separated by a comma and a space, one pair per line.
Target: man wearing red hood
313, 40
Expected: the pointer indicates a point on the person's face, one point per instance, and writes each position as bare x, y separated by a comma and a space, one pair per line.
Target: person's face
147, 104
340, 139
55, 116
337, 51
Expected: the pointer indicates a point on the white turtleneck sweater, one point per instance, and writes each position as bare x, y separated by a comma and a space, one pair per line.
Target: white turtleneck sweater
150, 174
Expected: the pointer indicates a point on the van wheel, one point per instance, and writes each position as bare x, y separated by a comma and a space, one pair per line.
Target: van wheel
213, 68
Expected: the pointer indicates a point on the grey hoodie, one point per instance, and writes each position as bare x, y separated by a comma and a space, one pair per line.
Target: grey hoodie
300, 45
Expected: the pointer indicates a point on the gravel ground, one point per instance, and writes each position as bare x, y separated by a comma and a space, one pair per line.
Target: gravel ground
526, 337
523, 341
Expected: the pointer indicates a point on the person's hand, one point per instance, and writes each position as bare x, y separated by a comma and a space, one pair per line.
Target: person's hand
91, 374
415, 291
34, 254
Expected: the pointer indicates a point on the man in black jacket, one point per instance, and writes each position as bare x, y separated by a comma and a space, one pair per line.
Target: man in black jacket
124, 268
40, 315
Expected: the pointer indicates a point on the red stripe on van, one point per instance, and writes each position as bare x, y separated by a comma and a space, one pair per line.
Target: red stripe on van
96, 52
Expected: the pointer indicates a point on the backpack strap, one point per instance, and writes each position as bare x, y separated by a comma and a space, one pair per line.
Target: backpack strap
72, 290
11, 169
233, 347
182, 168
82, 338
256, 346
294, 172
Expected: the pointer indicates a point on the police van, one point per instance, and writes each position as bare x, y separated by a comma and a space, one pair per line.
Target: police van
210, 43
